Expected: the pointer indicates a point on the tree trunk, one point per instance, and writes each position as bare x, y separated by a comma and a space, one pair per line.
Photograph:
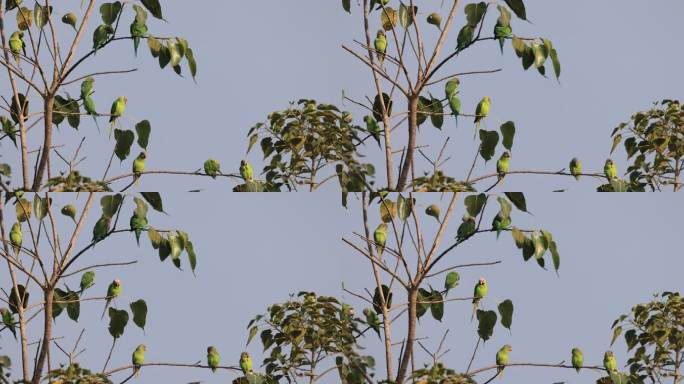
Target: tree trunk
411, 335
413, 127
47, 336
47, 143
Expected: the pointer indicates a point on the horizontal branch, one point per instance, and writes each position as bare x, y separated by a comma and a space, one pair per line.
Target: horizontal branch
180, 365
544, 365
562, 172
170, 172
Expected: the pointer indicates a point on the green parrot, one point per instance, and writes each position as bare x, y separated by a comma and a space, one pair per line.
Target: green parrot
101, 35
212, 168
380, 237
87, 90
245, 363
482, 110
138, 31
502, 32
139, 167
372, 128
502, 165
246, 170
372, 320
577, 359
575, 168
451, 92
436, 20
502, 359
380, 46
500, 223
138, 224
481, 289
16, 237
433, 211
118, 109
609, 362
213, 358
138, 359
101, 228
17, 45
113, 291
610, 170
70, 19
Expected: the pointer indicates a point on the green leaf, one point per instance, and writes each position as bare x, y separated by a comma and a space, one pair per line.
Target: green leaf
437, 116
252, 332
377, 299
346, 5
403, 207
118, 319
488, 142
474, 13
616, 140
5, 170
555, 256
474, 203
14, 298
140, 14
41, 15
139, 309
124, 141
388, 18
57, 305
486, 322
74, 113
143, 129
508, 133
155, 200
87, 280
110, 12
451, 281
518, 8
556, 63
154, 7
192, 64
40, 207
192, 257
406, 16
505, 210
377, 106
155, 238
388, 210
110, 204
506, 312
422, 305
619, 378
23, 210
616, 333
73, 306
437, 305
519, 238
518, 199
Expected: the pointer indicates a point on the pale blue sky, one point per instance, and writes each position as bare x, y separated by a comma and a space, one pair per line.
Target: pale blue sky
254, 250
617, 57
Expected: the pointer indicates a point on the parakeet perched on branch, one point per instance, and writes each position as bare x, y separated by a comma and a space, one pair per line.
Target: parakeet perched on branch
481, 289
610, 170
139, 166
138, 358
482, 110
609, 362
380, 46
213, 358
118, 109
577, 359
575, 168
502, 165
16, 237
17, 45
502, 359
246, 170
245, 363
113, 291
380, 237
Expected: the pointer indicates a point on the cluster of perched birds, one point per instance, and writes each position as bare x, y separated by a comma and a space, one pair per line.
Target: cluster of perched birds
213, 360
